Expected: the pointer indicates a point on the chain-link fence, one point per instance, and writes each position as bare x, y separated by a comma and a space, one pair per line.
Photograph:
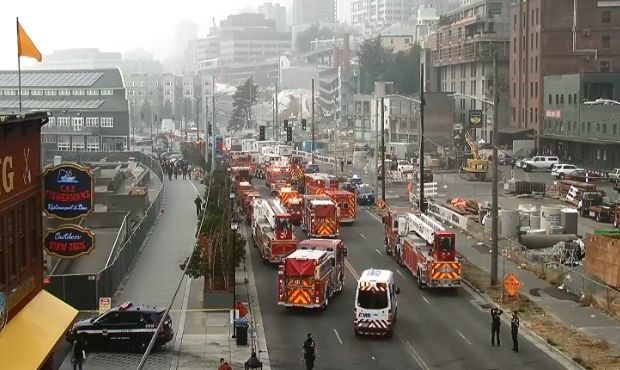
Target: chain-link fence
82, 291
559, 267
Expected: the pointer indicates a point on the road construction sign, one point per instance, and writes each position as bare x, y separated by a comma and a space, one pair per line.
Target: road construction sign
105, 304
512, 285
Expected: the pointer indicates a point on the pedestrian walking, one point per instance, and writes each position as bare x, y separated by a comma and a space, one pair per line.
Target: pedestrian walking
496, 312
514, 330
170, 173
224, 365
78, 353
309, 352
198, 203
184, 173
176, 172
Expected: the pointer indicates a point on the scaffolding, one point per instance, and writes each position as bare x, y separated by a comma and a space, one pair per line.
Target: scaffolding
469, 52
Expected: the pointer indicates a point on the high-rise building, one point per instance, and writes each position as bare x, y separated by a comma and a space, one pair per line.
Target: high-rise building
313, 11
80, 58
185, 30
276, 12
462, 58
557, 37
370, 16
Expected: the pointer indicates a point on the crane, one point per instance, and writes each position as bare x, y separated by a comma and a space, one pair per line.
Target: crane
476, 168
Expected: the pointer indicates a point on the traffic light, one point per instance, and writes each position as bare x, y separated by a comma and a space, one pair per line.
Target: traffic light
261, 133
210, 130
303, 124
286, 124
289, 134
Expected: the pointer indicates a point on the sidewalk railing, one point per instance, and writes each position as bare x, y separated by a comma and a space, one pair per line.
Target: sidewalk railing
82, 291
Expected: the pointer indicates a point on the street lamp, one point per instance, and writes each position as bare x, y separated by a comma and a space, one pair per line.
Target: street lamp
234, 225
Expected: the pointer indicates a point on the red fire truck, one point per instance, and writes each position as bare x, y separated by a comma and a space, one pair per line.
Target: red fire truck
293, 202
321, 217
317, 183
428, 251
277, 177
306, 279
337, 251
390, 226
346, 203
246, 204
272, 231
296, 169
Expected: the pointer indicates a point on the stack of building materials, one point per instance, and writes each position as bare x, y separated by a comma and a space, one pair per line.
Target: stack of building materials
571, 191
463, 206
602, 258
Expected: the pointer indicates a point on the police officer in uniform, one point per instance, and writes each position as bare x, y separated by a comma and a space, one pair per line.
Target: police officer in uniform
495, 325
514, 330
309, 352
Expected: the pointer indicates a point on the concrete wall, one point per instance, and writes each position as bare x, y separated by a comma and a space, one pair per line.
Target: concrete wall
106, 219
135, 203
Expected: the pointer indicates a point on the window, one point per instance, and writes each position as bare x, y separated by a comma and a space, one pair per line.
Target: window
64, 92
614, 129
514, 23
92, 143
92, 122
63, 121
531, 115
570, 98
606, 16
77, 143
51, 92
574, 125
568, 126
10, 92
604, 128
605, 41
537, 20
604, 66
92, 92
536, 64
51, 121
473, 88
536, 115
77, 123
589, 126
531, 89
36, 92
78, 92
64, 142
536, 89
107, 122
562, 99
107, 92
550, 99
531, 41
575, 98
473, 70
514, 90
583, 126
49, 139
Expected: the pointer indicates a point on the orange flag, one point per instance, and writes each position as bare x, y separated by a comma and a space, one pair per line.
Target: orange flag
25, 46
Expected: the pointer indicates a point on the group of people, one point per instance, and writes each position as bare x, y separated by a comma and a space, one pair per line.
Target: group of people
496, 322
176, 168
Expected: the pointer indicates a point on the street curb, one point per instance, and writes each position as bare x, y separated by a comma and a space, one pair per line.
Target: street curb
561, 357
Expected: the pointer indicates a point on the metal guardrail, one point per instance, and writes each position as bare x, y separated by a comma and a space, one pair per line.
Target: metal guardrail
120, 238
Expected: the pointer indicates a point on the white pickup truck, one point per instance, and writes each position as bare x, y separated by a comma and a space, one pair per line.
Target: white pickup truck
405, 167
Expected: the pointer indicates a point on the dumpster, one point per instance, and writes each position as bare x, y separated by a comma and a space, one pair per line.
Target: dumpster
241, 332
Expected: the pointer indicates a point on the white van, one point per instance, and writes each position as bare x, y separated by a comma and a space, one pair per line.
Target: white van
375, 306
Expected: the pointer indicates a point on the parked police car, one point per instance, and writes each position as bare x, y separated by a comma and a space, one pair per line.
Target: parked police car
123, 326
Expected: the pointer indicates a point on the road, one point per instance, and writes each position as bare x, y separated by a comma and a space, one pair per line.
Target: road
435, 329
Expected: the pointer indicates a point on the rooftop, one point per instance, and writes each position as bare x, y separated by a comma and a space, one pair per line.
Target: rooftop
96, 78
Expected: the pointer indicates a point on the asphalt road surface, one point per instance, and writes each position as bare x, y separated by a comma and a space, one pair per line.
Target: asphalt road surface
435, 329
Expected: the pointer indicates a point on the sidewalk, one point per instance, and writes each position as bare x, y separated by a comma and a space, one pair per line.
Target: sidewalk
563, 306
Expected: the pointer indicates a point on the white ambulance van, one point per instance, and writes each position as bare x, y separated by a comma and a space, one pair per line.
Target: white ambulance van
375, 309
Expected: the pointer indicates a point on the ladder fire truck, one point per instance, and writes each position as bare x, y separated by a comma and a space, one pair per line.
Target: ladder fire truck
296, 169
317, 183
272, 231
246, 203
321, 217
306, 279
337, 251
293, 202
346, 204
428, 250
390, 226
277, 177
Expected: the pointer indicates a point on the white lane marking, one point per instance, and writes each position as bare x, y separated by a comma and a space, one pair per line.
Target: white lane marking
379, 252
363, 237
464, 338
416, 356
400, 273
425, 300
337, 336
195, 188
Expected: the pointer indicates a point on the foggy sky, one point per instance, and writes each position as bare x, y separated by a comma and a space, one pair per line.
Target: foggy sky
111, 25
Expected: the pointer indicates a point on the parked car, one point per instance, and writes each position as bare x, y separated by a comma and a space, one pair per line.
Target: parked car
583, 175
365, 194
311, 168
123, 326
539, 162
560, 170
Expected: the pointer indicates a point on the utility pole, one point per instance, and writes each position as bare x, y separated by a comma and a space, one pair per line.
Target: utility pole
336, 133
276, 126
383, 149
206, 137
213, 124
273, 117
375, 156
312, 149
421, 206
494, 195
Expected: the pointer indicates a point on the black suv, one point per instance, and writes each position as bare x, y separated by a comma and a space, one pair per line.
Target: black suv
123, 326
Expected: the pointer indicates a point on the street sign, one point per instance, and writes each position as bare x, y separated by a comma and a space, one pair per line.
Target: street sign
475, 118
512, 285
105, 304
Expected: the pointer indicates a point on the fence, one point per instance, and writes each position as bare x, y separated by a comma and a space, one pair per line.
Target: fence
82, 291
554, 265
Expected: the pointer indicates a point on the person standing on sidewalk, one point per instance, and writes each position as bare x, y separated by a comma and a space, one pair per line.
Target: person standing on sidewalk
198, 203
514, 330
495, 325
79, 353
224, 365
342, 166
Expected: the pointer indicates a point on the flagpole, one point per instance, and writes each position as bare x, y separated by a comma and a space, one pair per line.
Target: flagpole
19, 66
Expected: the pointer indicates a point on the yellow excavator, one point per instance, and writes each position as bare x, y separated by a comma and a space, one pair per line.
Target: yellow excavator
476, 168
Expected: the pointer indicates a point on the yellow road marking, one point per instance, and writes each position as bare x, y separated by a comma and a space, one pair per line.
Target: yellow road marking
351, 270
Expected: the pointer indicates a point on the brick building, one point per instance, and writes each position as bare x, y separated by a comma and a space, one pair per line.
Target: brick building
32, 321
557, 37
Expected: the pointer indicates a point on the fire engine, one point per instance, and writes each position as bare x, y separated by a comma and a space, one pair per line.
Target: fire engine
273, 231
241, 173
296, 169
263, 161
277, 177
293, 202
321, 217
306, 279
346, 203
427, 250
316, 183
390, 225
242, 188
338, 252
246, 203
